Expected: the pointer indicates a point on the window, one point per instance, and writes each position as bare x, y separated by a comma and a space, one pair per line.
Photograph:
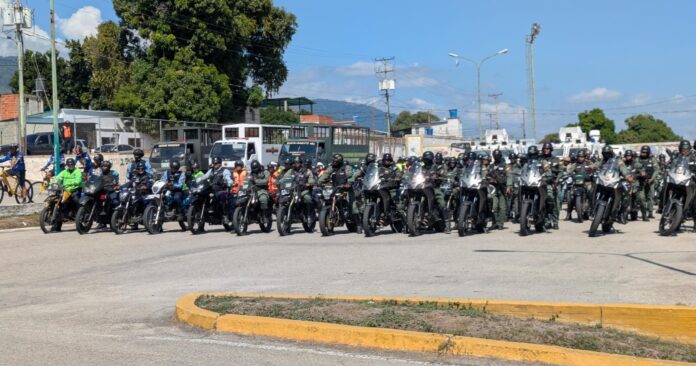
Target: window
321, 132
251, 132
190, 134
42, 140
251, 150
350, 136
106, 140
274, 135
171, 135
298, 132
135, 142
231, 133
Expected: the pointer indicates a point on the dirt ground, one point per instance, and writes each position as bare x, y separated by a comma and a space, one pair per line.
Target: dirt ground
457, 319
15, 222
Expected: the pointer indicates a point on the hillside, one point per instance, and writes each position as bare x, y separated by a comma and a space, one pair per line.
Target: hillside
342, 111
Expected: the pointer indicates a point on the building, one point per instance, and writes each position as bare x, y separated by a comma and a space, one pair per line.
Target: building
452, 127
9, 113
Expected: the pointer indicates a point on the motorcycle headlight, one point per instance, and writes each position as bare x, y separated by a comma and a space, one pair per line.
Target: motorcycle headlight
284, 192
241, 193
123, 196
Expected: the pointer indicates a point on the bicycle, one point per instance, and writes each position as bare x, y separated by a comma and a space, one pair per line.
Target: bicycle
40, 188
11, 190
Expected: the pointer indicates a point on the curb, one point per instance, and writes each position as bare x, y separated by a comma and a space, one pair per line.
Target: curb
392, 339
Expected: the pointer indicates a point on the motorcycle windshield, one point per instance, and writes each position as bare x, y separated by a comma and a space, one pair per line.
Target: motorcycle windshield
531, 174
417, 178
371, 180
471, 177
680, 171
609, 174
94, 184
286, 182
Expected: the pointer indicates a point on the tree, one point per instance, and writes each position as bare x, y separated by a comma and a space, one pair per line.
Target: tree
596, 120
105, 54
243, 40
552, 137
405, 119
75, 85
646, 128
275, 116
37, 65
255, 98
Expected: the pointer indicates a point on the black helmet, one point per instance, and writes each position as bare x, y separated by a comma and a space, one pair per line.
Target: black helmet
106, 165
238, 163
370, 158
297, 160
287, 161
195, 165
98, 158
662, 157
428, 157
607, 152
512, 156
140, 166
684, 145
547, 145
217, 160
70, 161
523, 158
645, 150
461, 156
256, 166
497, 155
533, 152
308, 162
471, 156
174, 166
138, 153
582, 153
387, 157
412, 160
452, 161
14, 146
628, 153
484, 156
337, 161
438, 158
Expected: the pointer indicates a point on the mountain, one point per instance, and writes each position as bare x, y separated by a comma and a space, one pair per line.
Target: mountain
344, 111
8, 66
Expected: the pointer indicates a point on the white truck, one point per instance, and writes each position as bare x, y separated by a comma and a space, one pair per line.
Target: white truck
248, 142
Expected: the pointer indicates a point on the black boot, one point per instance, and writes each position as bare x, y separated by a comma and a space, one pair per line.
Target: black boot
644, 215
568, 216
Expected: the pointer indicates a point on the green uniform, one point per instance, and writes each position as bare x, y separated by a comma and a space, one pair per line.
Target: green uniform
308, 177
71, 181
552, 172
260, 179
497, 175
647, 176
341, 176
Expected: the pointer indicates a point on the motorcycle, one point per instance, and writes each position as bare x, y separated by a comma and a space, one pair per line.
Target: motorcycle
58, 208
577, 200
380, 210
531, 184
291, 206
677, 181
249, 211
472, 194
95, 204
130, 210
204, 208
420, 196
337, 210
608, 182
161, 209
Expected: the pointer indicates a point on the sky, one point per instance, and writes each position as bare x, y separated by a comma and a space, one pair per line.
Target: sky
626, 57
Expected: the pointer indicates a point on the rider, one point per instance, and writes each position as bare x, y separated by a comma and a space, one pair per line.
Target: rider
452, 171
221, 180
646, 181
71, 179
435, 175
138, 157
175, 180
302, 176
261, 179
340, 174
514, 169
685, 151
497, 176
551, 163
142, 182
97, 160
607, 155
273, 177
51, 161
104, 171
634, 167
17, 167
83, 158
581, 167
238, 176
391, 176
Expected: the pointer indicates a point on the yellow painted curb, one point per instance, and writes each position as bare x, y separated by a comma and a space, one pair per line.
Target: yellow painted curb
676, 323
398, 340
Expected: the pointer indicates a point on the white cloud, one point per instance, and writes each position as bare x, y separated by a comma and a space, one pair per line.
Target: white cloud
360, 68
416, 82
35, 39
81, 24
595, 95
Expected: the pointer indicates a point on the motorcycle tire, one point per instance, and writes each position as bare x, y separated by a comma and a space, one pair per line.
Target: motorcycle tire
45, 219
326, 221
413, 219
463, 219
524, 219
579, 208
268, 226
149, 222
369, 219
118, 224
671, 219
82, 222
597, 219
633, 216
196, 220
239, 221
309, 226
283, 223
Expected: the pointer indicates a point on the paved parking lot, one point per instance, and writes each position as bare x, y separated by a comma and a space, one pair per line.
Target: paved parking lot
107, 299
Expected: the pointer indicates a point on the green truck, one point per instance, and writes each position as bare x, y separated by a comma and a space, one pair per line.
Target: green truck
320, 142
185, 144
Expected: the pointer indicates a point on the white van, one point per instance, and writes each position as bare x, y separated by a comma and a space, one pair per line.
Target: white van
248, 142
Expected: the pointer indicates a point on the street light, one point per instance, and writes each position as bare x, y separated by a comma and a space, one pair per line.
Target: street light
456, 58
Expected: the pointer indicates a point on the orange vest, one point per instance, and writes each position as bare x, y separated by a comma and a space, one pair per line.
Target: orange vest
67, 132
238, 179
272, 180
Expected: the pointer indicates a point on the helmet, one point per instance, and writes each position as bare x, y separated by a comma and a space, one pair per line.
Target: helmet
195, 165
533, 152
471, 156
523, 159
78, 149
461, 156
287, 161
369, 158
174, 166
98, 158
582, 153
484, 156
387, 157
428, 157
607, 152
106, 165
438, 158
256, 166
320, 165
297, 160
662, 157
497, 155
645, 150
138, 153
337, 161
14, 146
451, 161
628, 153
402, 159
70, 161
547, 145
308, 162
272, 165
239, 164
512, 156
217, 160
412, 160
684, 145
140, 166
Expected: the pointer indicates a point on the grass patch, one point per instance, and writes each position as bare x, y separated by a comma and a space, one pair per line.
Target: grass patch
455, 319
15, 222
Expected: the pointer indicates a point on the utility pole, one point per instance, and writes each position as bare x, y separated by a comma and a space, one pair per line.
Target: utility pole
490, 120
536, 28
497, 114
54, 92
524, 129
383, 69
20, 23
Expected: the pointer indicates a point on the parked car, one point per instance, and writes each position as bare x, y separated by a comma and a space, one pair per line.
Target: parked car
112, 148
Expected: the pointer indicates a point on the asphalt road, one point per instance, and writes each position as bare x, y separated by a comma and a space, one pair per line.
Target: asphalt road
103, 299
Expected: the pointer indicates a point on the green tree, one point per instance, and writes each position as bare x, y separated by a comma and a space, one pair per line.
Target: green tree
275, 116
405, 119
37, 65
105, 54
75, 85
255, 98
243, 40
646, 128
596, 120
552, 137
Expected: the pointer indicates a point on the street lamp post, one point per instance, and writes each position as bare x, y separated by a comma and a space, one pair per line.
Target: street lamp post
456, 58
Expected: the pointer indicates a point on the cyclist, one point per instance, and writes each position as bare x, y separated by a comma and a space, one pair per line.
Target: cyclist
17, 168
